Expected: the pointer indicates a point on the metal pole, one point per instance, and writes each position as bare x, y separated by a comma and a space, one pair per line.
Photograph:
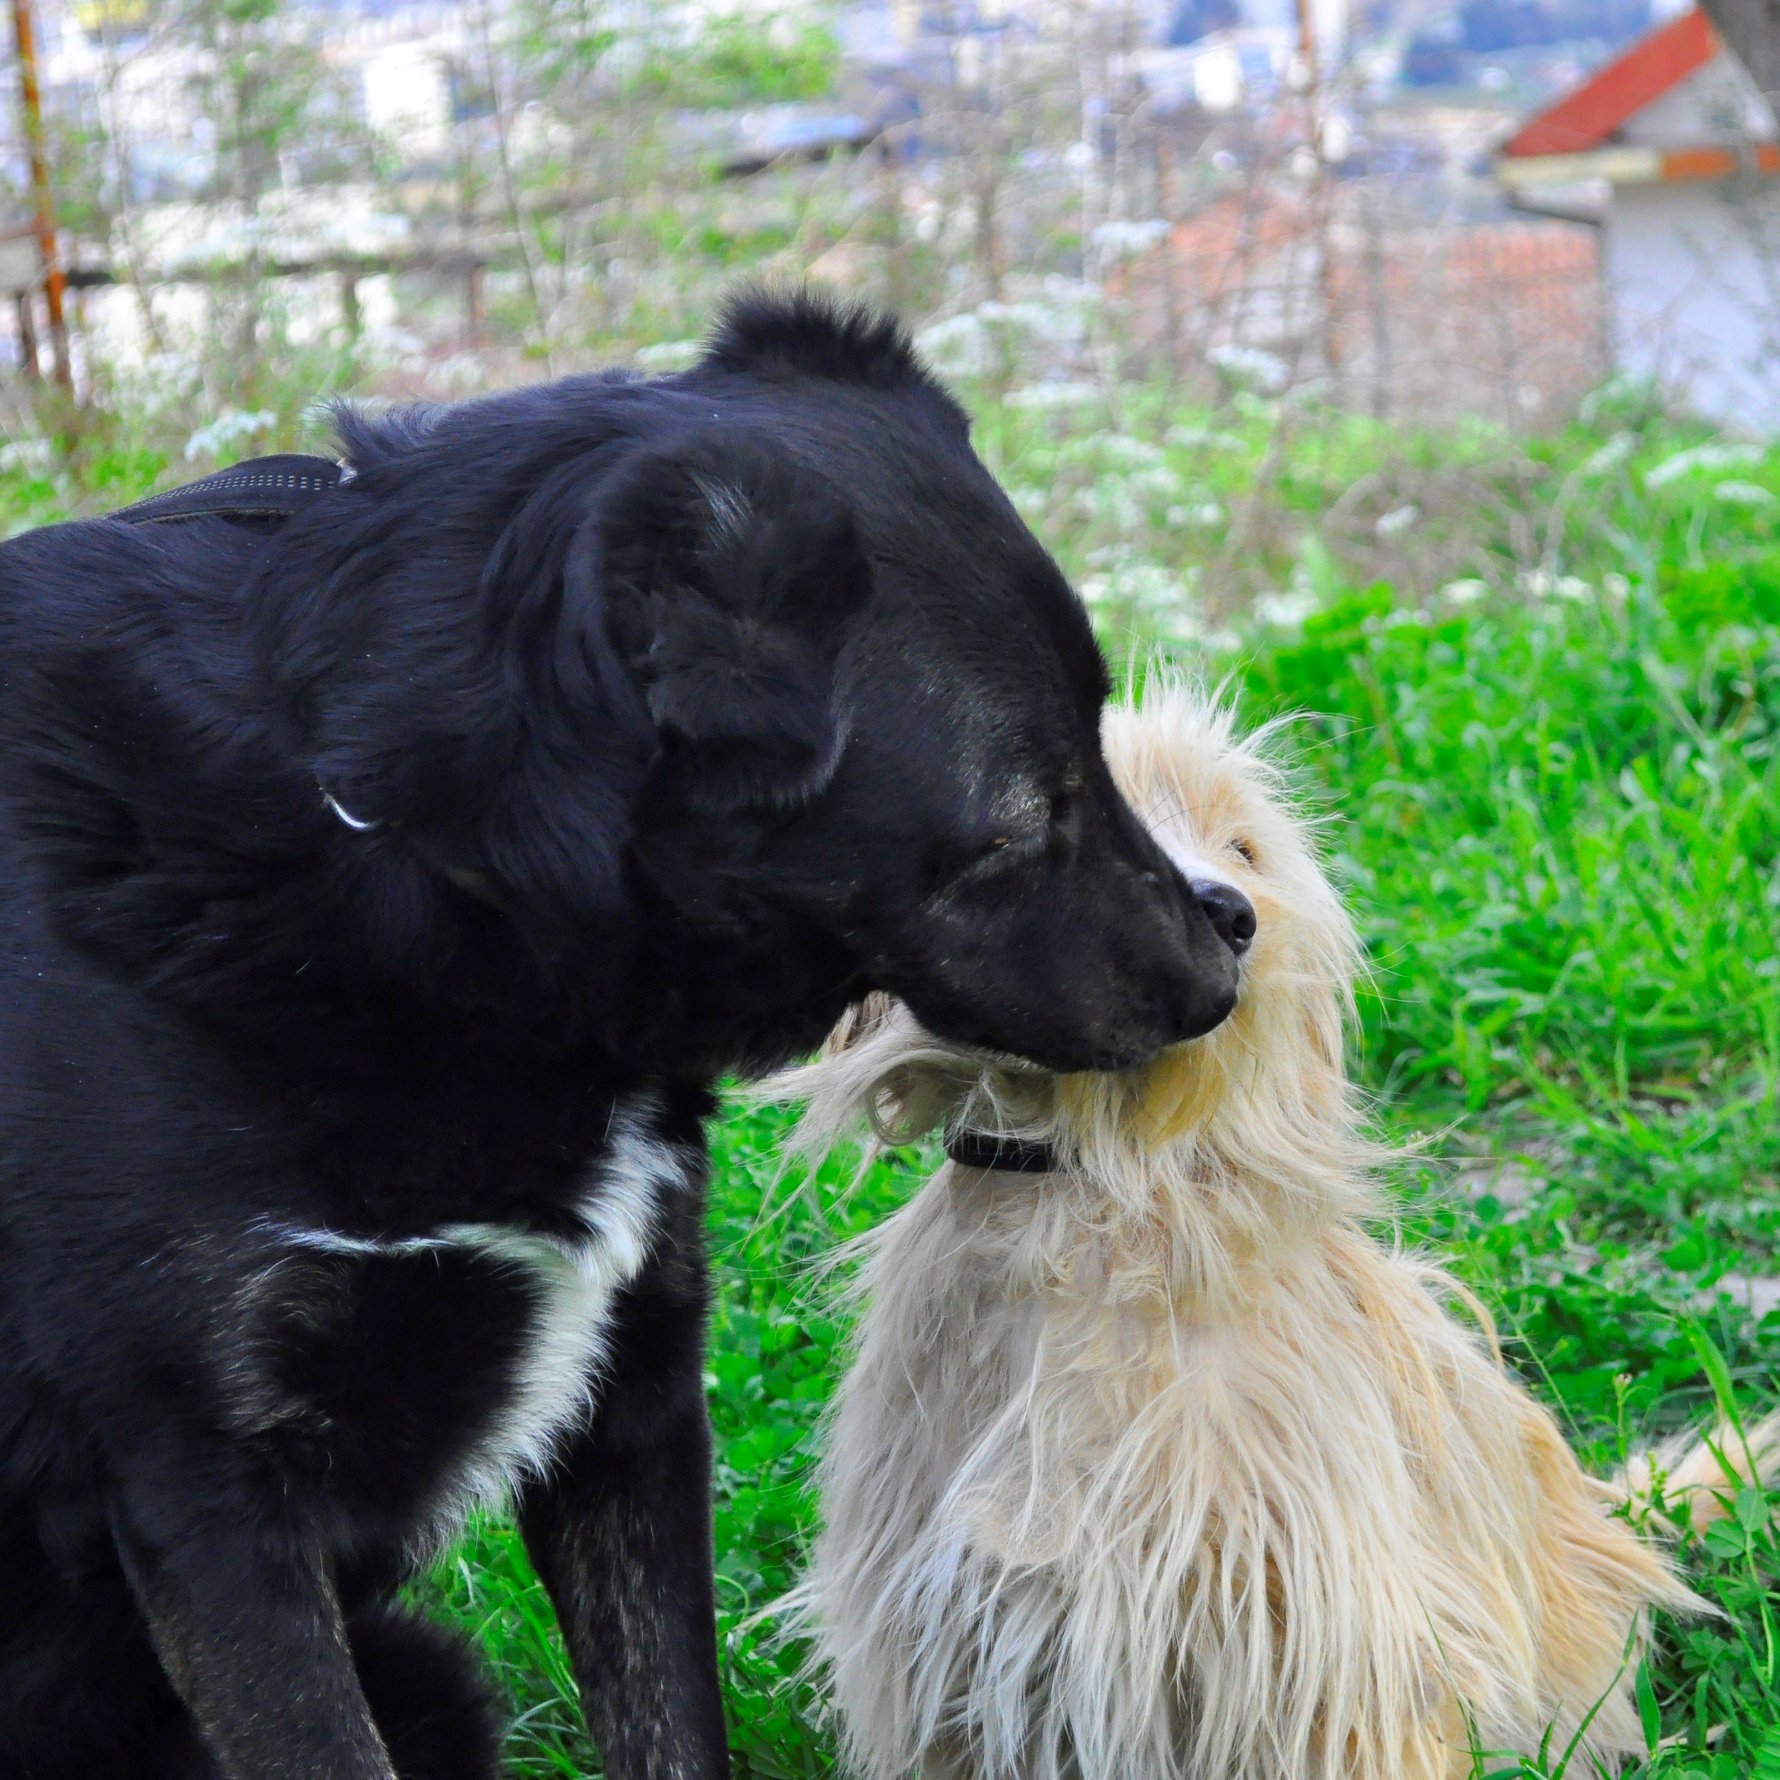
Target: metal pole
1320, 192
43, 210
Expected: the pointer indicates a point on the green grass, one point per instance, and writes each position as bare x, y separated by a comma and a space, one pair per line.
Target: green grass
1543, 714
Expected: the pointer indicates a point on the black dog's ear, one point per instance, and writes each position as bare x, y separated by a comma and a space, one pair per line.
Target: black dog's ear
730, 577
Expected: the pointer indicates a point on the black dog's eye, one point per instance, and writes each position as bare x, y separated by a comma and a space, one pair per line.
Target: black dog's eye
1246, 852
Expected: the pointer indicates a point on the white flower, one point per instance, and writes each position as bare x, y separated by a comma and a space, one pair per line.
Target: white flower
1610, 456
1163, 597
1620, 388
668, 355
1743, 494
1046, 397
1701, 457
234, 426
28, 457
1122, 239
1032, 318
1110, 502
959, 345
1156, 484
1399, 519
1464, 593
1285, 610
1193, 438
1114, 451
1544, 585
1248, 367
1199, 513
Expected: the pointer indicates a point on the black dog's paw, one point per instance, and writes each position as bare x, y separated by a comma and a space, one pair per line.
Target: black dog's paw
429, 1696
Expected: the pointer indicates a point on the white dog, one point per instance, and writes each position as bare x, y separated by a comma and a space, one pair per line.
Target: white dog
1153, 1462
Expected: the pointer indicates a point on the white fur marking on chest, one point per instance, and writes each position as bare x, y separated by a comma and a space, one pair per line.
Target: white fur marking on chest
576, 1280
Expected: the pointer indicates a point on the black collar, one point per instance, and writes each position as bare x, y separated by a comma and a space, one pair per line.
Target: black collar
1001, 1155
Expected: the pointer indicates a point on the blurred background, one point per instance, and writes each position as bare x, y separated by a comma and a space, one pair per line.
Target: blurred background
1277, 220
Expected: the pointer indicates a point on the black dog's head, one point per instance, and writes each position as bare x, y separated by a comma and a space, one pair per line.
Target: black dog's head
879, 702
765, 642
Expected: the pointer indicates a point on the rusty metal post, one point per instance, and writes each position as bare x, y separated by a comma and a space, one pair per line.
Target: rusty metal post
43, 209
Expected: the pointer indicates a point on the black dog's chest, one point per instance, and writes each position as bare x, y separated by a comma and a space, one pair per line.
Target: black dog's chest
414, 1375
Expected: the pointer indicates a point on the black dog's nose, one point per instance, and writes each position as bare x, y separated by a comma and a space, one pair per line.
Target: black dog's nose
1231, 913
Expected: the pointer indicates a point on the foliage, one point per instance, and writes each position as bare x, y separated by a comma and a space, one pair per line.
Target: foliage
743, 58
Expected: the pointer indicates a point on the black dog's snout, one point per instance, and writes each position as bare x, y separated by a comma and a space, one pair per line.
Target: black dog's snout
1231, 914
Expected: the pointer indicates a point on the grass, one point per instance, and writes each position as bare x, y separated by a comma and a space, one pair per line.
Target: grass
1537, 689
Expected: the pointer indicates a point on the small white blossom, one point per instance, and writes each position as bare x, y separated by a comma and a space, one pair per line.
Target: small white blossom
1621, 387
1610, 456
1194, 438
1743, 494
1198, 513
1164, 597
1156, 485
28, 457
234, 426
1466, 592
1701, 457
958, 345
1123, 239
1114, 451
1544, 585
1398, 520
1285, 609
1248, 367
1110, 502
1047, 397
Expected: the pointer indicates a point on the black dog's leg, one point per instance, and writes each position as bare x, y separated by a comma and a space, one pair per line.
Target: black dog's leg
620, 1531
243, 1615
428, 1695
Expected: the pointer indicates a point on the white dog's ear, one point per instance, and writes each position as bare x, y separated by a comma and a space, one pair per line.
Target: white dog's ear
731, 577
858, 1023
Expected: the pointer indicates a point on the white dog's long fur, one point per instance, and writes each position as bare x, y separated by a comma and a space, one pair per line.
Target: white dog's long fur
1162, 1466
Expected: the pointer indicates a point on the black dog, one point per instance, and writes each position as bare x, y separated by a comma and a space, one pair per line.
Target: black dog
381, 893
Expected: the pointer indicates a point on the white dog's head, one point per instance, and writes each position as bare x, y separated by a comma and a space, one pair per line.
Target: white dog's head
1264, 1097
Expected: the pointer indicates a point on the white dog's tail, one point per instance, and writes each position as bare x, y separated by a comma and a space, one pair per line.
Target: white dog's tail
1702, 1476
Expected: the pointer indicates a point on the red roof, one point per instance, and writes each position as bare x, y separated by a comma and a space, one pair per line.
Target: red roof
1589, 115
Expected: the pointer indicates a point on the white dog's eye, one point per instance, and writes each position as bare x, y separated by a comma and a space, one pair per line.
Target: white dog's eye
1247, 852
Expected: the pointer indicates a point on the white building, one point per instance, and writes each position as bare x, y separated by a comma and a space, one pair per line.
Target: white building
1676, 152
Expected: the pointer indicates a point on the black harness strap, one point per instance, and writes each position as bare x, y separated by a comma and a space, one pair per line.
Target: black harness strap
273, 488
1001, 1155
261, 488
